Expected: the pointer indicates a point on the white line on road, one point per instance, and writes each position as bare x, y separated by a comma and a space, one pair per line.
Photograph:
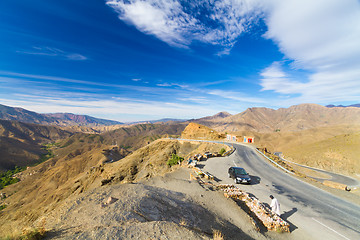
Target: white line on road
235, 163
330, 229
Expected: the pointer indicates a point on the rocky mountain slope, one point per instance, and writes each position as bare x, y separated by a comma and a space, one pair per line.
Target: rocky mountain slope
71, 119
80, 168
200, 132
163, 207
58, 119
21, 144
295, 118
313, 146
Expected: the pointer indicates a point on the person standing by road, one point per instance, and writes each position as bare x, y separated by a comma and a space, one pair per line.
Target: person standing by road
275, 206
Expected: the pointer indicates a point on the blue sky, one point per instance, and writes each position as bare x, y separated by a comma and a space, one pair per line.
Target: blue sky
150, 59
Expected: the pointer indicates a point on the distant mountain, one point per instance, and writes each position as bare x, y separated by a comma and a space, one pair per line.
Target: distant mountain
58, 119
210, 119
294, 118
23, 115
82, 119
217, 116
353, 105
163, 120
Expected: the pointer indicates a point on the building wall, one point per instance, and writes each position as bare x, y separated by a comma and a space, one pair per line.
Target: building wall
248, 139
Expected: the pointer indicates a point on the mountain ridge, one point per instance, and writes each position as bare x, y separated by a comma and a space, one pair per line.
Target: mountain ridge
295, 118
58, 119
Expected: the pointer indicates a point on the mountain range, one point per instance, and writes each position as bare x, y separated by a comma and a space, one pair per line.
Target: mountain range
23, 133
81, 162
258, 119
295, 118
58, 119
352, 105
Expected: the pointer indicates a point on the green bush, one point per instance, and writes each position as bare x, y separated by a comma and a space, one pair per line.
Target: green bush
175, 159
222, 151
7, 179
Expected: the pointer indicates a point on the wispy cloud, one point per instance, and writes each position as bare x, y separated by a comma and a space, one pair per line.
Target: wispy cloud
6, 76
274, 78
114, 100
319, 37
121, 109
172, 85
237, 96
179, 23
53, 52
322, 38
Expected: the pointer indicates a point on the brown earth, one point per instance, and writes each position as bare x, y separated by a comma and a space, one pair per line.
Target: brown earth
47, 185
330, 148
163, 207
21, 144
201, 132
295, 118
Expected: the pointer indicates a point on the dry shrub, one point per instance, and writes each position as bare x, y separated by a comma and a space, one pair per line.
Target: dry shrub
182, 222
218, 235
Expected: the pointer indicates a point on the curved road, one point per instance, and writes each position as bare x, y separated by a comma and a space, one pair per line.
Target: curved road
311, 212
350, 182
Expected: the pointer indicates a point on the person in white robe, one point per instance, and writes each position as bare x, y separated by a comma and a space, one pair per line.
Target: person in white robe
275, 206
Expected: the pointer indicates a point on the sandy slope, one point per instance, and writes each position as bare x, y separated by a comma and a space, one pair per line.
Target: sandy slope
164, 207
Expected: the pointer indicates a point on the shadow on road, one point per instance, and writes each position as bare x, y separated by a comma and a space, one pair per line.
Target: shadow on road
201, 166
286, 215
255, 179
217, 179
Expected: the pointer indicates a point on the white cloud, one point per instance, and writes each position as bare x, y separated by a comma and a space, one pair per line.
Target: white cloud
274, 78
119, 109
321, 37
53, 52
163, 18
179, 23
237, 96
171, 85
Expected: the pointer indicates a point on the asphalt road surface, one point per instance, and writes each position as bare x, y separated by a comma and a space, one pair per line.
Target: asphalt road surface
311, 212
348, 181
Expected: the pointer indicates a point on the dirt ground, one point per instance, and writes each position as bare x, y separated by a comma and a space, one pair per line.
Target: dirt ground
163, 207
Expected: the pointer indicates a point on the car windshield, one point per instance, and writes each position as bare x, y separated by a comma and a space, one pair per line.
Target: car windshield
240, 171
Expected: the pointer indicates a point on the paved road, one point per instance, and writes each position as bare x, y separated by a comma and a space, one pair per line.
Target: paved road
350, 182
311, 212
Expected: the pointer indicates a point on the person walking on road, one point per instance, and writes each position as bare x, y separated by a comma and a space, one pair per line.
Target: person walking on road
275, 206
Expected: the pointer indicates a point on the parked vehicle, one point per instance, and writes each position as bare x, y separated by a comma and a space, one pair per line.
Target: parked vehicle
207, 154
239, 175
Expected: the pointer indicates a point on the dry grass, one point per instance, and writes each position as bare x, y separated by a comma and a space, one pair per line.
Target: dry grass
217, 235
330, 148
183, 222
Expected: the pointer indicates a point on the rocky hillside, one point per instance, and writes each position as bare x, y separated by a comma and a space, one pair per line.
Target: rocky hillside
81, 120
295, 118
58, 119
200, 132
139, 135
81, 168
21, 144
163, 207
332, 148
